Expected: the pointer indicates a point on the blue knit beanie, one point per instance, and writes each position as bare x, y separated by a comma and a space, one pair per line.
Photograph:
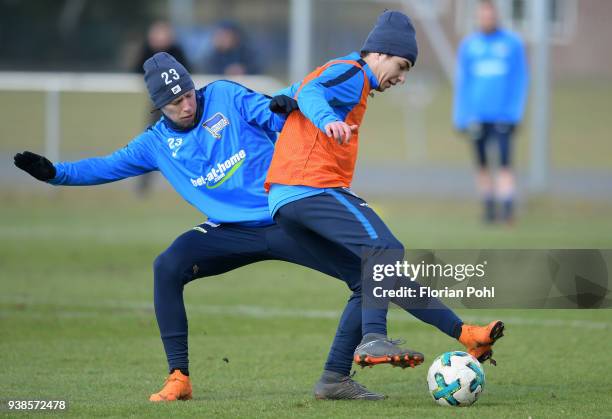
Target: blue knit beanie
166, 79
393, 34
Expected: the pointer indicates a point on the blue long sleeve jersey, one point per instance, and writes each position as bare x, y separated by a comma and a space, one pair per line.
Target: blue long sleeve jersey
491, 80
219, 166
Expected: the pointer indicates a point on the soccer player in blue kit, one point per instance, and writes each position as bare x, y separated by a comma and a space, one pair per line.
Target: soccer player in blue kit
214, 146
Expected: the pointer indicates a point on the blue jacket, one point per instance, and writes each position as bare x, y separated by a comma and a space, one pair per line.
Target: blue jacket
219, 166
491, 81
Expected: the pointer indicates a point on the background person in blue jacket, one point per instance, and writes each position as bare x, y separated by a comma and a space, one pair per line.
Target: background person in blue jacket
490, 93
214, 146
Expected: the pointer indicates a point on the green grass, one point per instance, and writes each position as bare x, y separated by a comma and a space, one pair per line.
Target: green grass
77, 323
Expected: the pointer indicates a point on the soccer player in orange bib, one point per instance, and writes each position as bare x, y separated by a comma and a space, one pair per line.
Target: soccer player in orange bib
309, 197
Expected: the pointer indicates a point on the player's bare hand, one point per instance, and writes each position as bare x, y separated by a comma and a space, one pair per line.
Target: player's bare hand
340, 131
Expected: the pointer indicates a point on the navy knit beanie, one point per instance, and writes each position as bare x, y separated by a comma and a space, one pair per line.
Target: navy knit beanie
166, 79
393, 34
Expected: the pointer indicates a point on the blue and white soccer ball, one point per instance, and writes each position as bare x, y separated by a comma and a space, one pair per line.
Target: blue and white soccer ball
455, 379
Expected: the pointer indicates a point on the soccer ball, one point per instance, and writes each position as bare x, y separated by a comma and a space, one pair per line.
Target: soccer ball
455, 379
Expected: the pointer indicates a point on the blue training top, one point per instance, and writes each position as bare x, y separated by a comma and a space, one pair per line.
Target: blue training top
325, 99
491, 81
219, 166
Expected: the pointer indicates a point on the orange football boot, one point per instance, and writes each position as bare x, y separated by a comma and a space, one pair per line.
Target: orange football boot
478, 340
176, 387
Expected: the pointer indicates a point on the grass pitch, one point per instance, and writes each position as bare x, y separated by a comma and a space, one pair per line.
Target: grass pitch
77, 322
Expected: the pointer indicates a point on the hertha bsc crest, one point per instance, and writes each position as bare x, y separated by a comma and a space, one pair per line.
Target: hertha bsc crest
215, 124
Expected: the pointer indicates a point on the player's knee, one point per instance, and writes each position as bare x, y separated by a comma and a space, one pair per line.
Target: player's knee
168, 267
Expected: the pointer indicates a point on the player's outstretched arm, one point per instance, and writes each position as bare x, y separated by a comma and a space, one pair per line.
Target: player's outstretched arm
36, 165
136, 158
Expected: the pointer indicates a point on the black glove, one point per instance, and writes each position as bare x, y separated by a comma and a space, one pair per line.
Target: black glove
283, 104
38, 166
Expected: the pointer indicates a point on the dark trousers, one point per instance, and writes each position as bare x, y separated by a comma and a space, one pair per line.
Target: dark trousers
209, 250
498, 134
340, 227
